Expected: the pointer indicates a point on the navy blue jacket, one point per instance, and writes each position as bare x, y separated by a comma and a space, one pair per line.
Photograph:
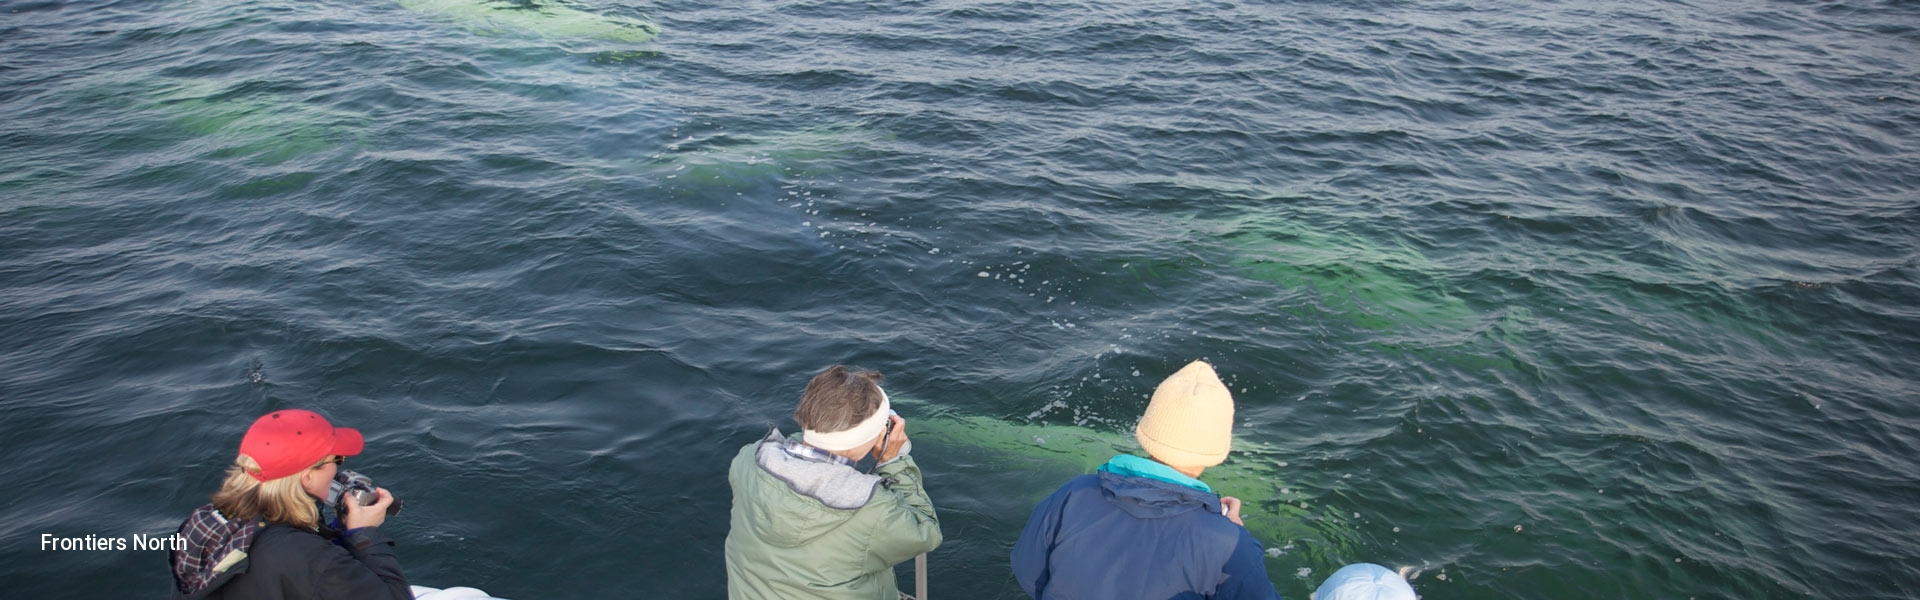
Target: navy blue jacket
1109, 536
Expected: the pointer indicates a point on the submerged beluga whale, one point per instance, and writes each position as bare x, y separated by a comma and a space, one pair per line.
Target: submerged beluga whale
1024, 462
545, 18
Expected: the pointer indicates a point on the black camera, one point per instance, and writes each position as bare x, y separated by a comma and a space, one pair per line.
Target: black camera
359, 488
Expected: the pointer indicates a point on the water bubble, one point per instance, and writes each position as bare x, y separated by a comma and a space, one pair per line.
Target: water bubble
1516, 529
983, 274
1396, 530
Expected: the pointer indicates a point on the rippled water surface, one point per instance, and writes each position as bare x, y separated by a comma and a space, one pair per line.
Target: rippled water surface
1549, 300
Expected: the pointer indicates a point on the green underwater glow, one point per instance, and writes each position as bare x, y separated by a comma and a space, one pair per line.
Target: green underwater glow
738, 162
268, 129
544, 18
1375, 286
1035, 459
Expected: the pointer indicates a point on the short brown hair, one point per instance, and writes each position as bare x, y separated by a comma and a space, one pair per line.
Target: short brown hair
839, 398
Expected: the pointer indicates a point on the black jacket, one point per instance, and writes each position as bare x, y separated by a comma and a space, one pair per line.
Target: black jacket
289, 563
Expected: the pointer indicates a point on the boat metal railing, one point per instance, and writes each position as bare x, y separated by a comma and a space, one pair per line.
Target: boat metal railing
920, 577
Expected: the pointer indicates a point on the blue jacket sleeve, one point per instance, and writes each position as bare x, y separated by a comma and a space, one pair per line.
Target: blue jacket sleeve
1246, 572
1031, 552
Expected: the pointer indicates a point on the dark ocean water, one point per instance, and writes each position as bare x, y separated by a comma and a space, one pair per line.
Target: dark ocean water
1550, 300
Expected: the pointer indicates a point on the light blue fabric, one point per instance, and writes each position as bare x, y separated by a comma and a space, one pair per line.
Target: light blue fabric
453, 593
1128, 464
1364, 581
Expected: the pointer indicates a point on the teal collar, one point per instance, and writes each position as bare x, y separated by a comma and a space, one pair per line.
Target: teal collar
1128, 464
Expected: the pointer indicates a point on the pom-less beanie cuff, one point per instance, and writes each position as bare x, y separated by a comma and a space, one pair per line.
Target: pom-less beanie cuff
1178, 457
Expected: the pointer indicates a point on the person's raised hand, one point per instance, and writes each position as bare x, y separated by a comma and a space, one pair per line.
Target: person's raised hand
896, 440
371, 515
1230, 506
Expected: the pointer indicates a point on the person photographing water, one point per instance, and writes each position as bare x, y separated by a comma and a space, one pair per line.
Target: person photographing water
806, 523
261, 537
1148, 528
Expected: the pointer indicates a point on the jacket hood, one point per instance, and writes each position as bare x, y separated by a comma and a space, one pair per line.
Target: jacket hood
214, 551
817, 496
1149, 498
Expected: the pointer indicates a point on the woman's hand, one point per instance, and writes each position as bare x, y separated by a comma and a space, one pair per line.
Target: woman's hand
896, 440
1230, 506
371, 515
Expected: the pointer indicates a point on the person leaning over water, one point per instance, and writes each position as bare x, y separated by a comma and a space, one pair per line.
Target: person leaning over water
807, 524
261, 537
1150, 529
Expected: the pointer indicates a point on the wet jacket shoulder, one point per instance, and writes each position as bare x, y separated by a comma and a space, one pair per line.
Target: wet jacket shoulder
819, 529
281, 562
1116, 536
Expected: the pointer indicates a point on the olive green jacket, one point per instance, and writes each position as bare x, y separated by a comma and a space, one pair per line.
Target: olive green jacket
811, 529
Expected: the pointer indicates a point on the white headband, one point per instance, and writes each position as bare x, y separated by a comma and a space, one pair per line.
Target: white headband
862, 433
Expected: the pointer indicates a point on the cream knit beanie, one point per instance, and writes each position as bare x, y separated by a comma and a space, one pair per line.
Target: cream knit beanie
1189, 423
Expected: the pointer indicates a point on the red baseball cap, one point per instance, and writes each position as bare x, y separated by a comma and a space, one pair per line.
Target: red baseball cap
286, 442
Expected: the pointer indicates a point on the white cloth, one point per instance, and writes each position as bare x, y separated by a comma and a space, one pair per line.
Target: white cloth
421, 592
862, 433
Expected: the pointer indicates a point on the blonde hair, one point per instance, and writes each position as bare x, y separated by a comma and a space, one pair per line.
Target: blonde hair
281, 500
